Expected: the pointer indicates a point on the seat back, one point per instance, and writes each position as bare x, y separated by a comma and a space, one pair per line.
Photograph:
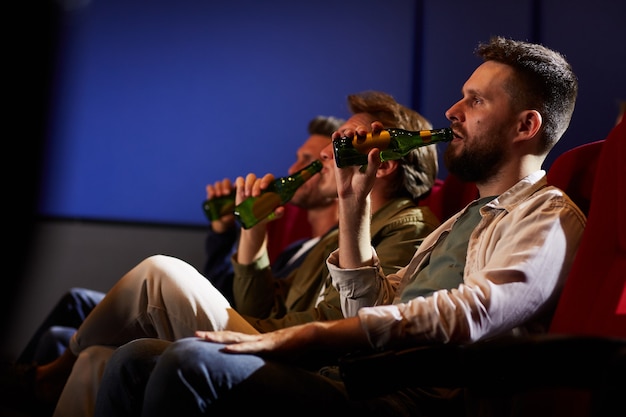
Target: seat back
574, 172
450, 195
293, 226
593, 301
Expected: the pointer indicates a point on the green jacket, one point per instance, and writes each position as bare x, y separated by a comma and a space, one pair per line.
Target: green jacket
306, 295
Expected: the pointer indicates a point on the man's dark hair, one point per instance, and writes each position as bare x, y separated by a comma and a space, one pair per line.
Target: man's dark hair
324, 125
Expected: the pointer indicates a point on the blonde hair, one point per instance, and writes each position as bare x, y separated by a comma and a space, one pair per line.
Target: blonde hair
419, 167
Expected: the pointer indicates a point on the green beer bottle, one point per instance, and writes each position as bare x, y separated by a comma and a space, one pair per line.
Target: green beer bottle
393, 144
216, 207
254, 209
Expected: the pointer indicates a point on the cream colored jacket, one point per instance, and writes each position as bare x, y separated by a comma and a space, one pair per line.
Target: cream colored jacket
518, 258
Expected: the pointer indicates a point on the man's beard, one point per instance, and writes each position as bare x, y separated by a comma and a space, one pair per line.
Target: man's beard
478, 162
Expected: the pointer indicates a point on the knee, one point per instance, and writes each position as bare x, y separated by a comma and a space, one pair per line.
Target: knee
166, 266
95, 355
190, 354
156, 258
141, 347
59, 335
199, 371
137, 354
82, 300
75, 291
163, 269
160, 261
90, 364
152, 269
183, 350
52, 343
161, 280
72, 295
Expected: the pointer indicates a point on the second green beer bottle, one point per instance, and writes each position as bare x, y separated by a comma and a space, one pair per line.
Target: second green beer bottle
216, 207
393, 144
254, 209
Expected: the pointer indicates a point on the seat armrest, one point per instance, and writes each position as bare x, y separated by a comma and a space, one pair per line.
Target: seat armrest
506, 363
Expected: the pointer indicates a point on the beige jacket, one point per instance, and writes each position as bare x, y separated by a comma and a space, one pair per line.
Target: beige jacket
517, 260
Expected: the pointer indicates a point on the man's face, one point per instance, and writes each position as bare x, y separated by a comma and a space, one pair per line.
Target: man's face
328, 183
483, 122
321, 189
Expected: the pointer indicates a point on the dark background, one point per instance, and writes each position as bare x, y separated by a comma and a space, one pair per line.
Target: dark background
126, 109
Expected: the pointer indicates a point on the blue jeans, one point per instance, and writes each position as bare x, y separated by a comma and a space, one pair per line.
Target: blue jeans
52, 337
192, 377
125, 377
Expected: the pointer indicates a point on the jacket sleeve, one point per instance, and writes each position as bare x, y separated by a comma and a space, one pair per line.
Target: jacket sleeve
395, 241
254, 287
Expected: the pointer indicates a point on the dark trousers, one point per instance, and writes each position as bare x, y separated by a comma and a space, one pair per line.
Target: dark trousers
52, 337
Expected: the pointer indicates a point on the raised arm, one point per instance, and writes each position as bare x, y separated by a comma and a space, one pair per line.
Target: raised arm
354, 185
253, 241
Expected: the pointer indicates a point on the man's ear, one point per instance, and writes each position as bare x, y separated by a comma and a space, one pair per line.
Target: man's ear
387, 168
529, 125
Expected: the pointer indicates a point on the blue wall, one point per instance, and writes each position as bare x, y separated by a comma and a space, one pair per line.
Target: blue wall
153, 100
